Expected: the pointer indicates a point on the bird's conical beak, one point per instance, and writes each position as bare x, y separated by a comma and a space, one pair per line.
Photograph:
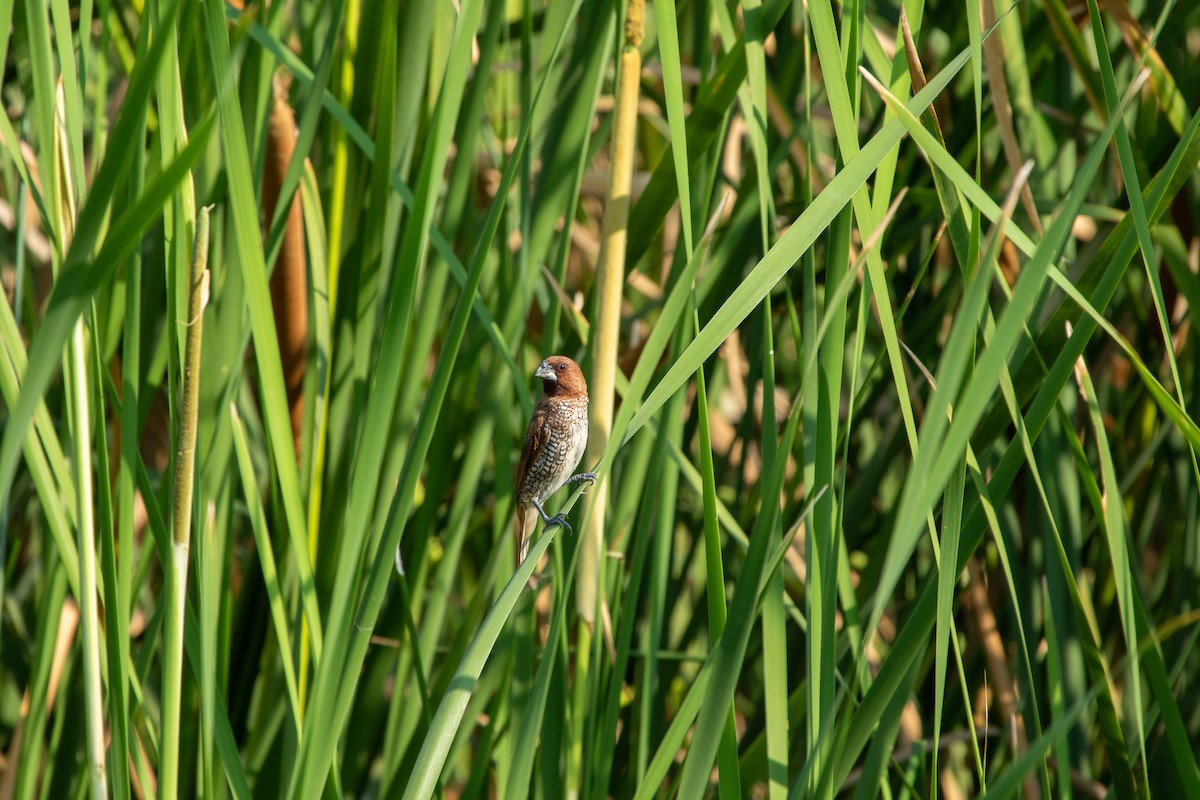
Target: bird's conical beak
545, 372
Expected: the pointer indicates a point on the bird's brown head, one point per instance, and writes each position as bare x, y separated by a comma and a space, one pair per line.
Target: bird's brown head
562, 377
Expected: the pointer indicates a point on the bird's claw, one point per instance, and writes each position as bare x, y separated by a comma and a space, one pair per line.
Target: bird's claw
590, 477
557, 519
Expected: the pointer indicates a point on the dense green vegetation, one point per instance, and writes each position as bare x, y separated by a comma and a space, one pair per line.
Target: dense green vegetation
892, 372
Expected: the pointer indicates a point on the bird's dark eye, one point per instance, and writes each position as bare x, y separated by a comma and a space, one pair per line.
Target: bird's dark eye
561, 367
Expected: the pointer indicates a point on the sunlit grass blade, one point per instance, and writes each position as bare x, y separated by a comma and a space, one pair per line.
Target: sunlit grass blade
791, 245
934, 462
454, 703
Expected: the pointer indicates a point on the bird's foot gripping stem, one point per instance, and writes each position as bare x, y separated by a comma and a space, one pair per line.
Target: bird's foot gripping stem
590, 477
558, 519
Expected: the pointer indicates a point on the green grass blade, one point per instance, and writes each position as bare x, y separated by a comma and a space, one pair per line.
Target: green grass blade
454, 703
786, 252
244, 213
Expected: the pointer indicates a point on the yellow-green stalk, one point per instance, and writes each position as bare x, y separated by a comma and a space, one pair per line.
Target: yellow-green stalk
181, 517
610, 281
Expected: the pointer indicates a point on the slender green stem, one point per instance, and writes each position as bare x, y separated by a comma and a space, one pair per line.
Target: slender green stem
181, 520
86, 541
85, 530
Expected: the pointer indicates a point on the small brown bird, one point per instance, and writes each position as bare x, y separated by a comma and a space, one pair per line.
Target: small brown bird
554, 443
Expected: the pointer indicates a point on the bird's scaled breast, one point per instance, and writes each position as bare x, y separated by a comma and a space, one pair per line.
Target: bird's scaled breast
564, 447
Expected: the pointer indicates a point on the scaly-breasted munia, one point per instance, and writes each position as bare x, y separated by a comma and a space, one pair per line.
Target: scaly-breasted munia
554, 443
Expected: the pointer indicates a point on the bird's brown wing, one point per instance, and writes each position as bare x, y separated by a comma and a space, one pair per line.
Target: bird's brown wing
525, 518
535, 439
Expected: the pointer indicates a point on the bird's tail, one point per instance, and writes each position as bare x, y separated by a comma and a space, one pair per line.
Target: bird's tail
524, 522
